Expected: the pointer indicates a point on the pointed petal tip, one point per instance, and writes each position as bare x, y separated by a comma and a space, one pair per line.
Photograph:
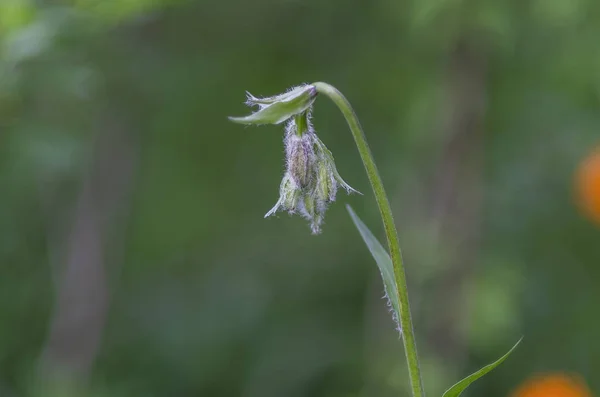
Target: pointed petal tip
349, 189
273, 210
239, 120
251, 100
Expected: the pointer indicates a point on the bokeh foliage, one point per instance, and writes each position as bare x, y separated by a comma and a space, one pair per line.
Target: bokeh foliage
207, 298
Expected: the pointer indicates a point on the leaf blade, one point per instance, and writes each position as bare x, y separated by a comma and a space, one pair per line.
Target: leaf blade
383, 260
459, 387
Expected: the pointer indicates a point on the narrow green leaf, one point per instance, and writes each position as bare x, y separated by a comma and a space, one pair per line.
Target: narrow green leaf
458, 388
384, 262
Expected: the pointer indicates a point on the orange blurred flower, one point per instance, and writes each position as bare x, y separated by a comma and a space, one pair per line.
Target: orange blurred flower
588, 185
553, 385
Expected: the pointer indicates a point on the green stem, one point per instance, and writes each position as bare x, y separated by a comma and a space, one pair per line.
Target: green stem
385, 210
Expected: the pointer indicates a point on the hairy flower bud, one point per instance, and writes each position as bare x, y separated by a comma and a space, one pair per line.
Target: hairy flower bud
309, 206
326, 157
300, 159
289, 197
311, 179
326, 185
313, 213
292, 197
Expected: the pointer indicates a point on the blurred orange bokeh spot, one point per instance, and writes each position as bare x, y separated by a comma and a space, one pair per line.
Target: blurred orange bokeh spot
588, 186
553, 385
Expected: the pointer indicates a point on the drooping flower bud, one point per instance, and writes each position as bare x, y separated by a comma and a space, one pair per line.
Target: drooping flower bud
311, 179
312, 212
326, 157
326, 185
300, 159
292, 197
289, 197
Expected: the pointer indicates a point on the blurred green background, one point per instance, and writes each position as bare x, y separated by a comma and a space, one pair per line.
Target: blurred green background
134, 257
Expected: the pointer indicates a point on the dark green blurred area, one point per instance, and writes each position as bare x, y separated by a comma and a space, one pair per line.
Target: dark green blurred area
134, 256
